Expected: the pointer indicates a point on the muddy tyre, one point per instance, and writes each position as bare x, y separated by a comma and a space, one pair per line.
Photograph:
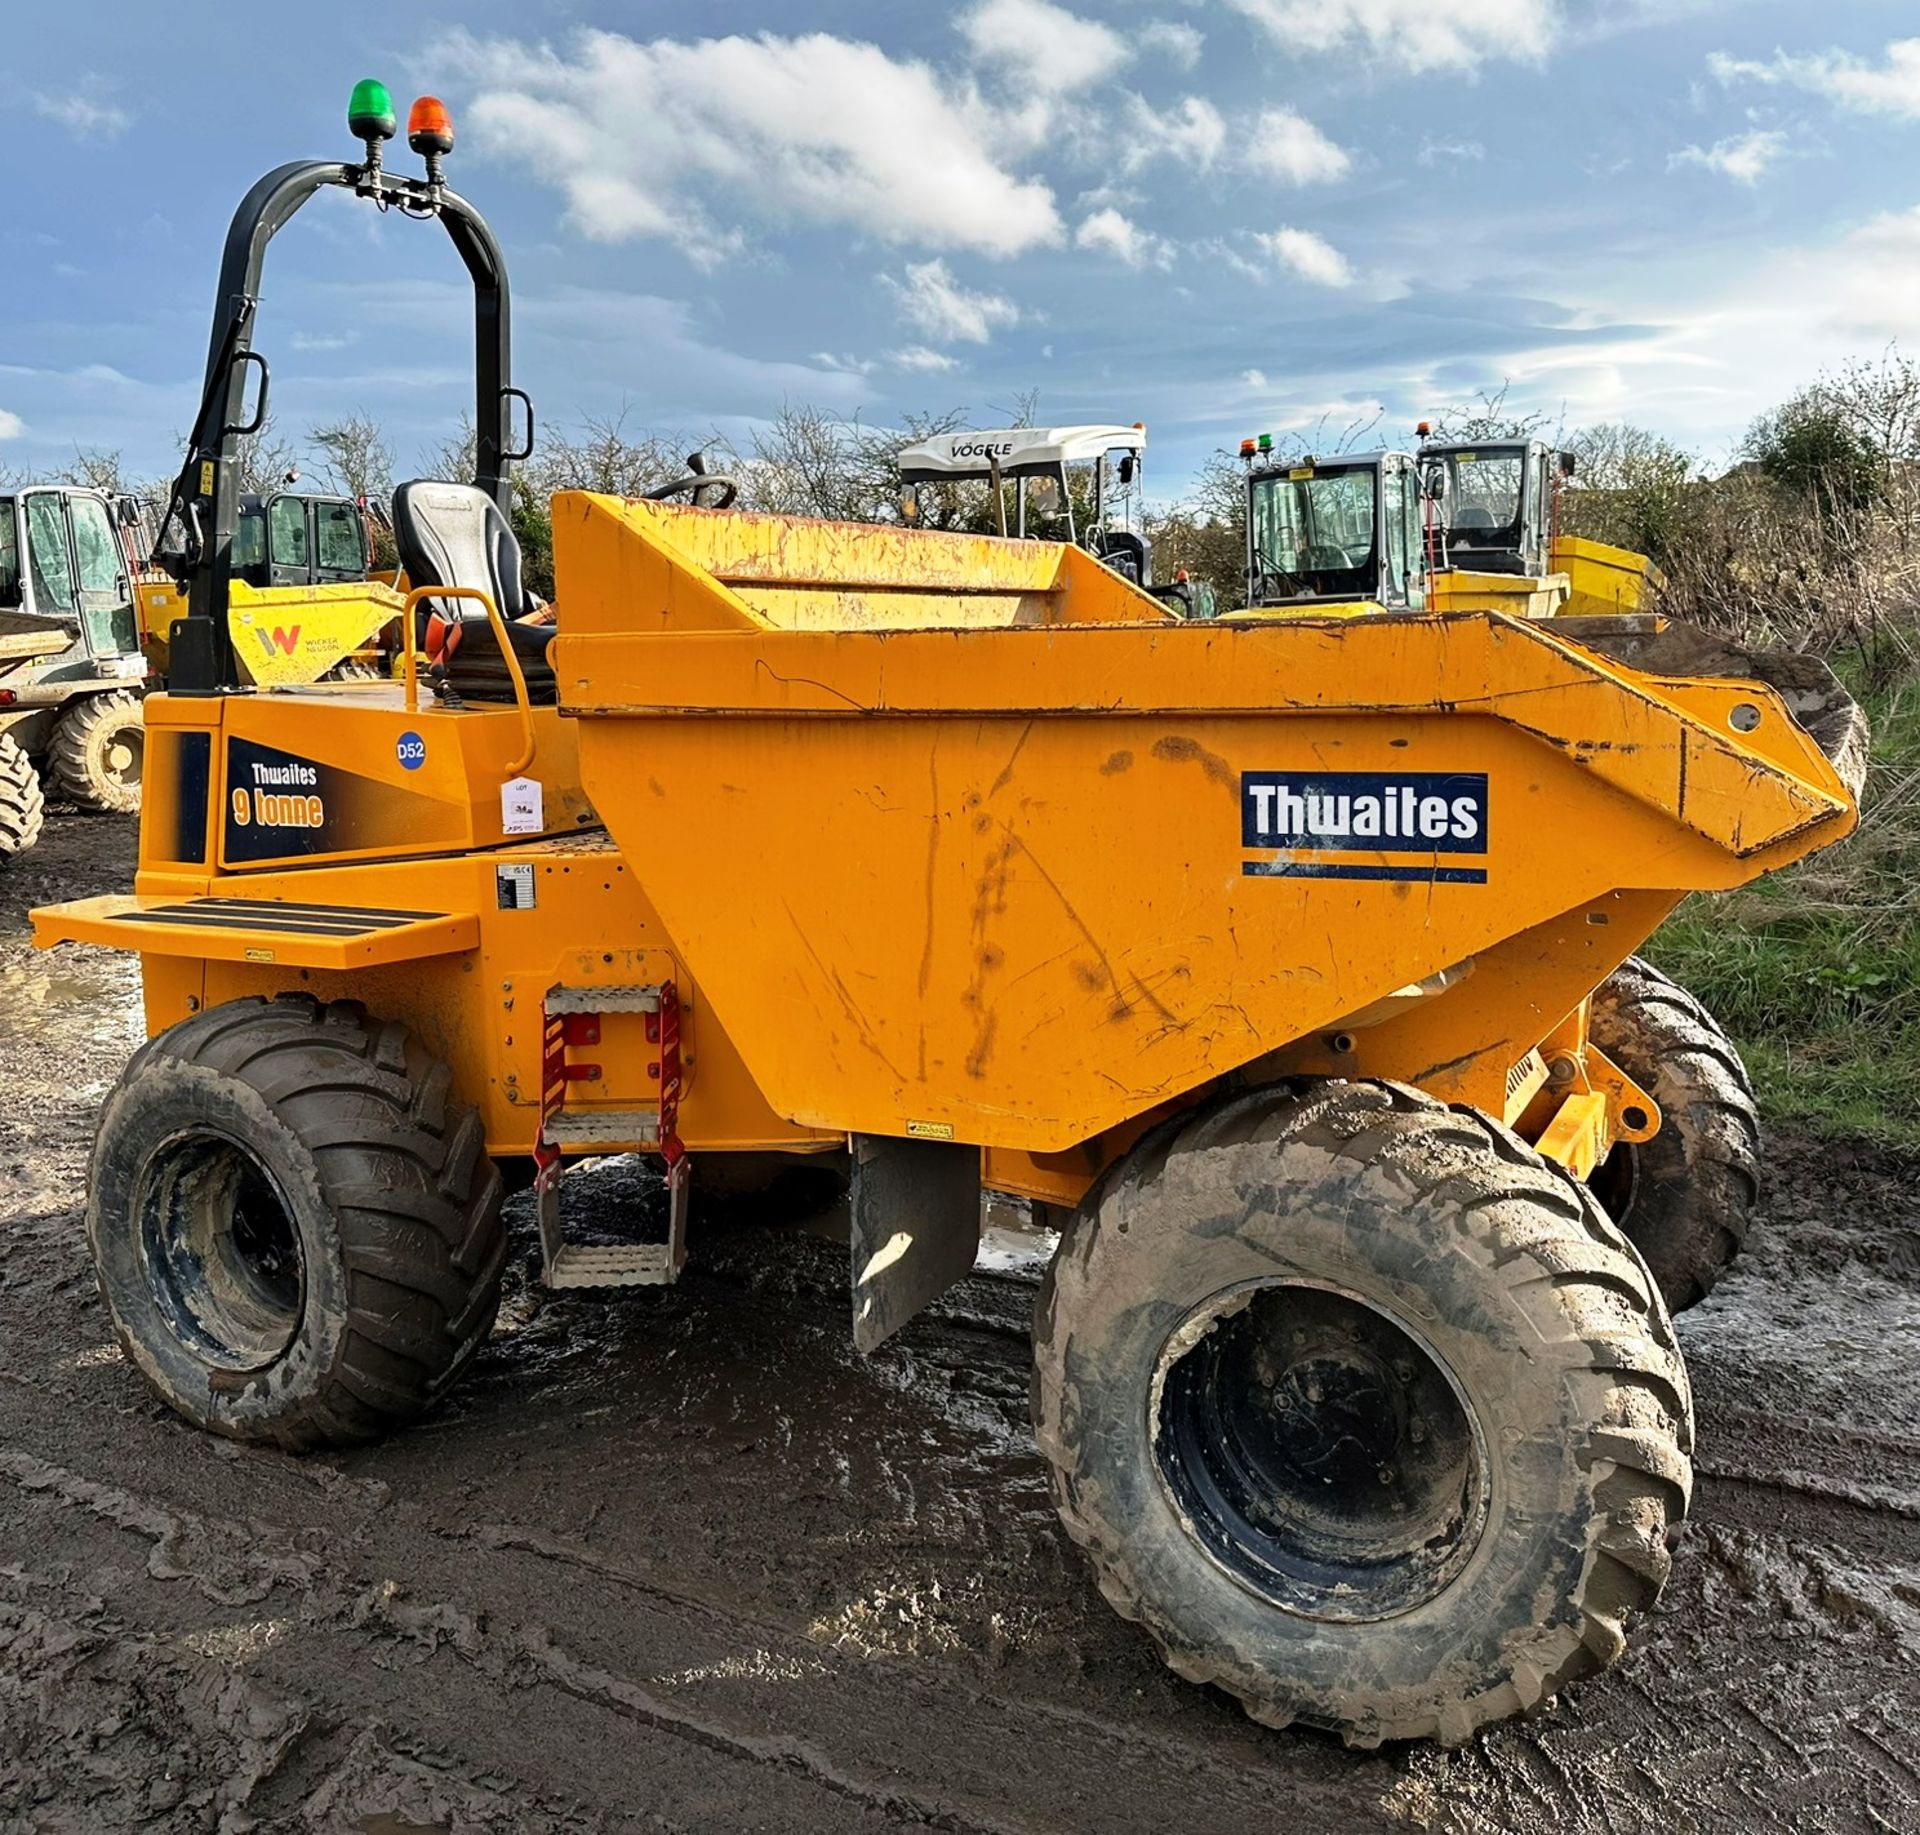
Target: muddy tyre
1363, 1411
1684, 1198
295, 1225
99, 752
354, 669
22, 807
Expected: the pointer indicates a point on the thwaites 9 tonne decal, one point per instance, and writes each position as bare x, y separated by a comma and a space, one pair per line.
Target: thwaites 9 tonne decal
1408, 825
280, 806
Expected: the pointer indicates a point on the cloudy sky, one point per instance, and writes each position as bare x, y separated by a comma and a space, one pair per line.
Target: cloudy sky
1218, 216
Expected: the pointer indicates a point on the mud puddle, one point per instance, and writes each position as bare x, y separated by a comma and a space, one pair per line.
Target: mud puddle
682, 1560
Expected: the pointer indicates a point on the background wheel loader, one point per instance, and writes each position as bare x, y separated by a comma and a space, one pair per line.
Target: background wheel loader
1498, 515
1270, 951
1341, 537
86, 601
70, 561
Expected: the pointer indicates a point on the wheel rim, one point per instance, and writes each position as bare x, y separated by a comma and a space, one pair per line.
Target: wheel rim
1320, 1450
223, 1255
124, 757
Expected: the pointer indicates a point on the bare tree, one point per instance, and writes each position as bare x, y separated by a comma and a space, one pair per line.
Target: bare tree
807, 462
267, 461
354, 460
1488, 416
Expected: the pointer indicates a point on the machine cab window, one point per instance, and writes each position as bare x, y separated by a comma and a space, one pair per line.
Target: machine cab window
49, 560
290, 539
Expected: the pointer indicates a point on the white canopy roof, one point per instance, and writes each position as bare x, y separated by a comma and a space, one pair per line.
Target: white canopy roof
1019, 450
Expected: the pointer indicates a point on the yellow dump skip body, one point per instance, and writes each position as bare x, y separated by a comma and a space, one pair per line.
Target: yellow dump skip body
1010, 882
960, 838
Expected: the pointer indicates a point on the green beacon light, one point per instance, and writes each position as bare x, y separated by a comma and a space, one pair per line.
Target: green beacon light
370, 117
1266, 442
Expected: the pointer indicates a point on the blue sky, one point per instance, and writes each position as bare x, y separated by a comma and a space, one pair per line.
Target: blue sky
1217, 216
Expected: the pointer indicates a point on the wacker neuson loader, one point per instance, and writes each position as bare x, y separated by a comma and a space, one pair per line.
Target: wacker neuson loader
1283, 959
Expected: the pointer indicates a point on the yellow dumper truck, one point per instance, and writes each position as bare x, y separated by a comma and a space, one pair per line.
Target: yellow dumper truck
1269, 952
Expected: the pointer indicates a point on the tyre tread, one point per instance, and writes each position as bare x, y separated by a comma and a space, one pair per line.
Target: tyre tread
1597, 1308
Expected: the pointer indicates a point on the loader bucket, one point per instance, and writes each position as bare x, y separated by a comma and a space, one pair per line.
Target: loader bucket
26, 637
1021, 882
1604, 580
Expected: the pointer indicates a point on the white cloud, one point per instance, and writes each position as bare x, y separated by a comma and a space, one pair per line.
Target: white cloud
11, 425
934, 303
843, 363
1415, 34
1043, 45
1312, 257
1432, 152
321, 340
680, 140
1290, 147
1781, 318
1194, 133
1114, 234
85, 117
1891, 88
919, 357
1115, 197
1172, 41
1744, 158
1254, 379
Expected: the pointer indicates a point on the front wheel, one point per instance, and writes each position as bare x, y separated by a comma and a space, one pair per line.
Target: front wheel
22, 807
295, 1225
98, 754
1363, 1411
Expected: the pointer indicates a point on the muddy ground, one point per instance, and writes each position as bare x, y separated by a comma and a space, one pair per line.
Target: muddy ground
681, 1560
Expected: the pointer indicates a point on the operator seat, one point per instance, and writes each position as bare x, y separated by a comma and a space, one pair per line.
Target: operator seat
455, 535
1126, 553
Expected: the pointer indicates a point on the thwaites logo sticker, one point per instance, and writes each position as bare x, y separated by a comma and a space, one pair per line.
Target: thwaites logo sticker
1411, 825
283, 793
278, 806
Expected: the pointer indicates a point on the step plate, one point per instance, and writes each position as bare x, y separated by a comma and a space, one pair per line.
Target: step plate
280, 931
609, 999
602, 1127
643, 1265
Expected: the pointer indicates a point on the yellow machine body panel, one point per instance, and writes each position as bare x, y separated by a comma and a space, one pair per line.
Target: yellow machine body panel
1517, 595
282, 635
1024, 883
1603, 580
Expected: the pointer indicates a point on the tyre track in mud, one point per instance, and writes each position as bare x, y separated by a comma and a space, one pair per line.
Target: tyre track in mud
682, 1560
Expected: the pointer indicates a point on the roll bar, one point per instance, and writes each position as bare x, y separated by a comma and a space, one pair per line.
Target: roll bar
206, 496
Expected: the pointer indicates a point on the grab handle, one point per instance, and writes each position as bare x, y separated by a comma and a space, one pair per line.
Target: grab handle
411, 673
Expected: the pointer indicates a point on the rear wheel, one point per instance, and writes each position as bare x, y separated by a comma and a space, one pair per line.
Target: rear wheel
354, 669
1685, 1197
99, 752
22, 807
295, 1226
1363, 1411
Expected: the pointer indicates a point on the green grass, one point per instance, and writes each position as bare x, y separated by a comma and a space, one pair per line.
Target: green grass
1816, 972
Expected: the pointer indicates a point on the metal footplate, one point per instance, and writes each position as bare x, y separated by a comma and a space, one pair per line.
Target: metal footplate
569, 1020
577, 1264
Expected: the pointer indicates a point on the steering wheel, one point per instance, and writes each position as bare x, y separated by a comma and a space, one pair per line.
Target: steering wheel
698, 479
693, 484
